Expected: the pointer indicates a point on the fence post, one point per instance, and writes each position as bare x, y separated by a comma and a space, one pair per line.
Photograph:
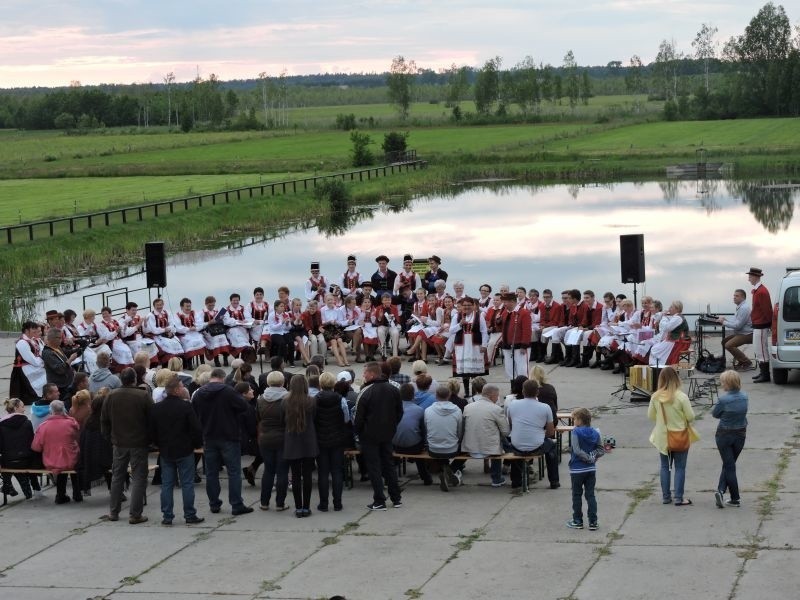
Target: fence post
227, 199
106, 218
8, 235
140, 213
71, 225
30, 232
155, 210
294, 185
273, 189
89, 221
284, 187
124, 216
51, 229
172, 208
238, 194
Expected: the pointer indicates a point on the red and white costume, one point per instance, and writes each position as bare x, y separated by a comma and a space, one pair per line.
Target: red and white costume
516, 341
351, 282
313, 325
188, 326
215, 344
494, 317
160, 326
238, 335
387, 320
109, 332
89, 356
470, 336
28, 358
315, 288
403, 278
131, 334
257, 313
368, 321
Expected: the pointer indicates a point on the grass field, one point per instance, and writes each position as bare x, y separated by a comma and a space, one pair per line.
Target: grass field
23, 200
126, 169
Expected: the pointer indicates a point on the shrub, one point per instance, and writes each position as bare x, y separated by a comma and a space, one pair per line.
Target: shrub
335, 192
361, 154
394, 142
346, 122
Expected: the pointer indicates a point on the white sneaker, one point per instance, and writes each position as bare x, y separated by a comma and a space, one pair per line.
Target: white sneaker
458, 475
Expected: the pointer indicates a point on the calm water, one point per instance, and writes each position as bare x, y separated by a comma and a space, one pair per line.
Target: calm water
699, 241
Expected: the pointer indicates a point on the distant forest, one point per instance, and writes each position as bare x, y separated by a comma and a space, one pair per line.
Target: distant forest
754, 74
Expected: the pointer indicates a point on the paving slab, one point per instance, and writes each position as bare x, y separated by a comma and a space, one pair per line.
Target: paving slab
54, 593
144, 546
527, 579
641, 572
791, 476
780, 529
120, 595
772, 573
622, 469
28, 539
366, 568
542, 518
703, 524
429, 512
230, 562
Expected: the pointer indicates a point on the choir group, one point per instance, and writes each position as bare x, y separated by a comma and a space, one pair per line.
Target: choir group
361, 317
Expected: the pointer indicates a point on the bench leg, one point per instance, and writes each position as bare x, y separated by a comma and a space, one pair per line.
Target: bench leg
348, 472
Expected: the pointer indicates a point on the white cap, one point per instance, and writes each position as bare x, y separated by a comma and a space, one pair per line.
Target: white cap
344, 376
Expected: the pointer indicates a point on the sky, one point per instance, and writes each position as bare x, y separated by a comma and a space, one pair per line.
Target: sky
55, 42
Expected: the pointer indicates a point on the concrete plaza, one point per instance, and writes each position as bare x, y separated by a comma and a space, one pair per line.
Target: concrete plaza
473, 542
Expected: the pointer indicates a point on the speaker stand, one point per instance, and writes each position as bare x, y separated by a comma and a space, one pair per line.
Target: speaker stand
635, 301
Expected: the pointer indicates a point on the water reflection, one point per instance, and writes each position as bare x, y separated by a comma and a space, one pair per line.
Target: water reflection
697, 245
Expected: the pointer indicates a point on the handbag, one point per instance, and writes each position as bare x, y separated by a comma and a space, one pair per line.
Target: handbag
215, 328
677, 441
708, 363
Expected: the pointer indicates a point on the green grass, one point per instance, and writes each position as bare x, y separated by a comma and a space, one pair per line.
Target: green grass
23, 200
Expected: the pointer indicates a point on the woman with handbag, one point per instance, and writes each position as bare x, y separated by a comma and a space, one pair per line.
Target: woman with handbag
673, 433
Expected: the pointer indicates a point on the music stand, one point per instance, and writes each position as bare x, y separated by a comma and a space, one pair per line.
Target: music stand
623, 386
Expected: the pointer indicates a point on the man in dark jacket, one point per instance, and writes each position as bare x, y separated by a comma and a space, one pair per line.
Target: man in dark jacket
378, 411
58, 366
220, 409
125, 421
175, 429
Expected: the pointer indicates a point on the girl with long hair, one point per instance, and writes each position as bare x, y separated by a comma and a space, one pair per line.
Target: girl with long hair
300, 442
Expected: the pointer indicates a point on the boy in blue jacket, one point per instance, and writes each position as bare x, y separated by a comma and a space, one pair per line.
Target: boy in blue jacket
586, 447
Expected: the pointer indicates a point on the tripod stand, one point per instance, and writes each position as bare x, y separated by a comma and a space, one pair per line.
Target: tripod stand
623, 386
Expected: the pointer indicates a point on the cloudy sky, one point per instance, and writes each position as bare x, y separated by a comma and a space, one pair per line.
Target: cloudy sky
52, 42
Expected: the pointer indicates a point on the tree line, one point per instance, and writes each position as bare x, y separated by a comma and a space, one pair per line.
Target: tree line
754, 74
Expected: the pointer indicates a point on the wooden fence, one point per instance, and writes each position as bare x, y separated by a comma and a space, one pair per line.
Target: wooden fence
67, 225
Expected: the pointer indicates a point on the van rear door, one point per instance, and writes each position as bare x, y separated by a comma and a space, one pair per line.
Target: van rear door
789, 325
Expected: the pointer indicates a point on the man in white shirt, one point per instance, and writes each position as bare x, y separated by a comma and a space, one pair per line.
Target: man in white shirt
741, 332
532, 430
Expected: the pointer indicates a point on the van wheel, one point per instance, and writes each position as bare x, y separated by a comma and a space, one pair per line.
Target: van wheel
780, 376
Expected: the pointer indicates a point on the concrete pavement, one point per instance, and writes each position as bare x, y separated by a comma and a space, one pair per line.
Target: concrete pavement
474, 542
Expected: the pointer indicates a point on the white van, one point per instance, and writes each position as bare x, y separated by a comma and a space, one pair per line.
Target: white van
785, 346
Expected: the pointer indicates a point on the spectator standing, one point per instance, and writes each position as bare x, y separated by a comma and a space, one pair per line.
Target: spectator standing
220, 409
330, 421
378, 412
125, 420
731, 410
271, 431
300, 442
586, 447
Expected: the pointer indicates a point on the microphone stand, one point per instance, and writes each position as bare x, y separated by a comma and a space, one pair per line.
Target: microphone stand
623, 386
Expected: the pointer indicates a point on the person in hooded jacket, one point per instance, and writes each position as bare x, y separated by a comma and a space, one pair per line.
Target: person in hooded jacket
16, 435
586, 447
271, 431
444, 427
57, 440
330, 421
102, 376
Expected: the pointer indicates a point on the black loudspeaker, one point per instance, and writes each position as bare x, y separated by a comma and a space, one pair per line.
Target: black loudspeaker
155, 264
631, 258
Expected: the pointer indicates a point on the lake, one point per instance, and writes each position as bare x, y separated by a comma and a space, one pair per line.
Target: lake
699, 238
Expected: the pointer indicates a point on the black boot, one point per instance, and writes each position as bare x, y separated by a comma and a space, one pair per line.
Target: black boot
596, 363
216, 361
576, 356
532, 352
586, 356
541, 351
566, 357
225, 359
554, 351
764, 376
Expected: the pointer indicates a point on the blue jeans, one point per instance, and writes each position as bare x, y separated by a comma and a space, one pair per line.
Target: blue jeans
729, 444
678, 460
496, 470
184, 469
274, 468
583, 483
217, 453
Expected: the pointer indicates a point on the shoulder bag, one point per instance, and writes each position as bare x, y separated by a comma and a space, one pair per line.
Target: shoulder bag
677, 441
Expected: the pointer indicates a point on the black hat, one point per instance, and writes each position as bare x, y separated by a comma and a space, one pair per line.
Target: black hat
366, 283
755, 271
382, 257
351, 258
436, 258
408, 257
315, 266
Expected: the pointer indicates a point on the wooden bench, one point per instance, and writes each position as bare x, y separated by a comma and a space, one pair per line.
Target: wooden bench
50, 474
402, 465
